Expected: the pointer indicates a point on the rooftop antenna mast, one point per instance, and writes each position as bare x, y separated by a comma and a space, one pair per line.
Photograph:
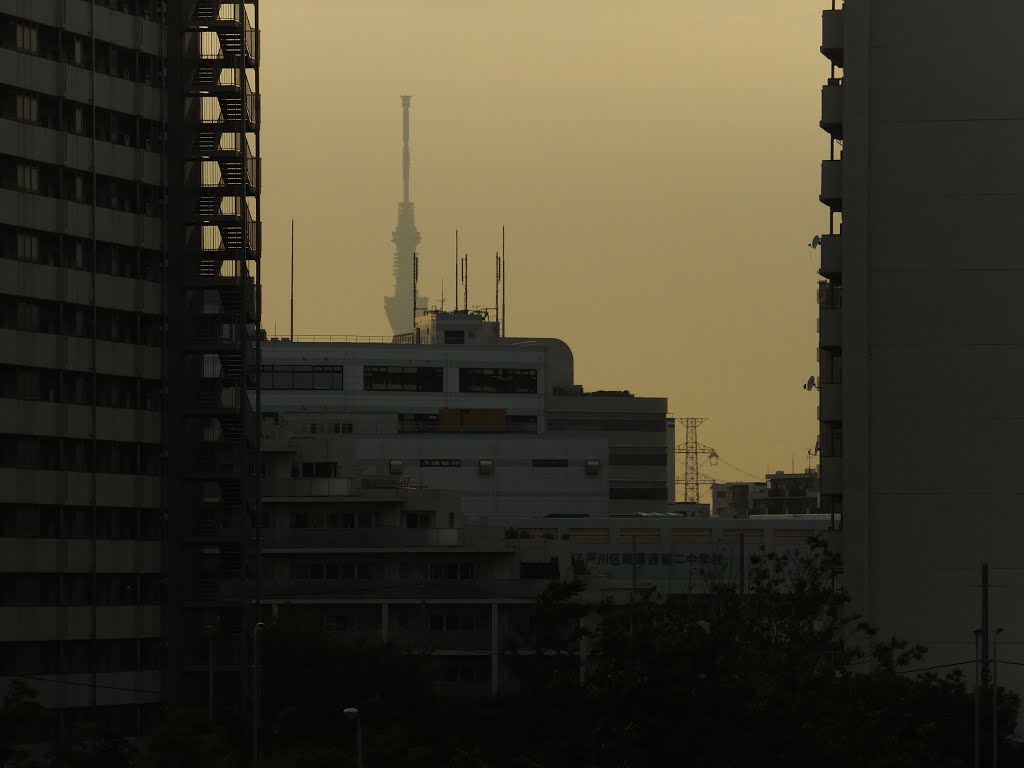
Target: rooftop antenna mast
291, 321
456, 270
497, 287
502, 281
465, 282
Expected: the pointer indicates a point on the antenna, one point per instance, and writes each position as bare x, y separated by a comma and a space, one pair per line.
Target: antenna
291, 322
405, 148
497, 284
456, 270
465, 282
442, 295
503, 270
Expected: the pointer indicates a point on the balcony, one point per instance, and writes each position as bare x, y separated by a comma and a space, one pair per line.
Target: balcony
831, 248
830, 402
830, 328
832, 108
832, 475
304, 487
832, 36
832, 184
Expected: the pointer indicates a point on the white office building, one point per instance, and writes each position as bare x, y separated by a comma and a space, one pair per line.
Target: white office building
458, 407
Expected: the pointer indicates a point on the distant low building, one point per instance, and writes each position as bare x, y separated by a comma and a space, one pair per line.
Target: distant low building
735, 499
788, 493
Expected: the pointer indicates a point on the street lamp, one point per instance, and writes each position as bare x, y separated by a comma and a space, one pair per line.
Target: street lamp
977, 698
256, 689
995, 697
209, 632
353, 714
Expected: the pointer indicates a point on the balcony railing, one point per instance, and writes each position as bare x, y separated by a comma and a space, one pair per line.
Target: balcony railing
832, 184
832, 108
832, 36
831, 257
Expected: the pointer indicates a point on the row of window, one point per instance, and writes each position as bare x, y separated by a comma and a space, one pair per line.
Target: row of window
395, 378
79, 186
78, 656
305, 570
79, 589
56, 522
77, 119
647, 459
431, 422
79, 388
302, 377
75, 455
340, 570
653, 424
56, 250
41, 316
76, 50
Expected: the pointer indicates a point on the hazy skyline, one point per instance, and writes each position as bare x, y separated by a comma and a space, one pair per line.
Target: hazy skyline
655, 165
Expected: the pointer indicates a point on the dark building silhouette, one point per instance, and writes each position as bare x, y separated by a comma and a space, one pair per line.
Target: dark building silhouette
399, 306
129, 250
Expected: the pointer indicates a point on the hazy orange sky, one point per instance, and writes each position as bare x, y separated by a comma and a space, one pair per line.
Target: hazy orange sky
655, 164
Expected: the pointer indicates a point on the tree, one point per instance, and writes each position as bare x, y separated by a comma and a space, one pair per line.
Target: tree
187, 739
22, 721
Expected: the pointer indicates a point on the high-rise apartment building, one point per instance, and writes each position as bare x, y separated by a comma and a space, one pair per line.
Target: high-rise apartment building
921, 344
129, 250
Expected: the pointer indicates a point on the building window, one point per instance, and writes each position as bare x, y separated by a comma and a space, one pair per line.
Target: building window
302, 377
28, 108
639, 494
452, 571
403, 379
28, 177
440, 462
486, 466
454, 337
592, 467
417, 520
320, 469
395, 466
28, 247
27, 38
551, 462
341, 623
346, 427
658, 458
516, 381
454, 622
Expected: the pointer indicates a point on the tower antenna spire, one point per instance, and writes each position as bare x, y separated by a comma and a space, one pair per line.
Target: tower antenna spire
405, 148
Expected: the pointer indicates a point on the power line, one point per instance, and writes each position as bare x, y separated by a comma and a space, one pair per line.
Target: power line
85, 685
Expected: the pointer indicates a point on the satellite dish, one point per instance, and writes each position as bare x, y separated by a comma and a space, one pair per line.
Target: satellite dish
810, 384
815, 242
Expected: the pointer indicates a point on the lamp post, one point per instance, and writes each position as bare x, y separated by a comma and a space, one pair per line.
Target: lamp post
353, 714
995, 697
259, 626
977, 698
209, 632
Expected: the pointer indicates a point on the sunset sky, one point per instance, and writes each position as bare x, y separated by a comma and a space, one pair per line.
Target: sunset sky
655, 164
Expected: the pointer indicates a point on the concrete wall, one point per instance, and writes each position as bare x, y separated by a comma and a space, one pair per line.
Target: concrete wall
933, 346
